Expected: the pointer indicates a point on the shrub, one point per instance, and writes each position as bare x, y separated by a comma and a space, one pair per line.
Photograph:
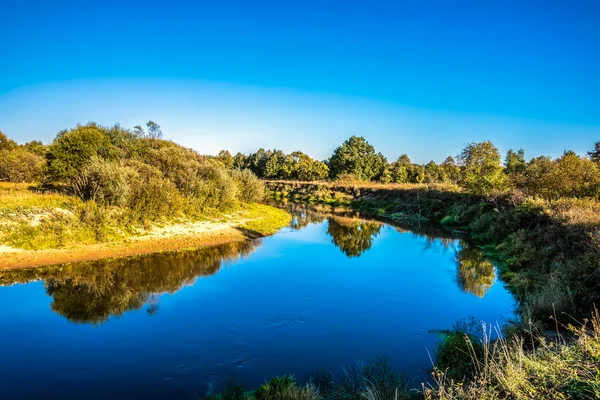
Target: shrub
250, 188
19, 165
72, 150
105, 182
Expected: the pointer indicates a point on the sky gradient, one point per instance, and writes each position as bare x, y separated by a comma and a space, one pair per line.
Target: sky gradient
421, 77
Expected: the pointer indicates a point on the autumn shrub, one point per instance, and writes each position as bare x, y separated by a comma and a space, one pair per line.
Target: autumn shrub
105, 182
250, 188
19, 165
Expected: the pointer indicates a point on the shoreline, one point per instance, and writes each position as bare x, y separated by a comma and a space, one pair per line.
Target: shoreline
171, 238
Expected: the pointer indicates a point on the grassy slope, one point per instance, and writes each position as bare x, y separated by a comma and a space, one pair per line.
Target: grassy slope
34, 221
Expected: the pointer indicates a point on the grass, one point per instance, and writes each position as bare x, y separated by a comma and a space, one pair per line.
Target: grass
373, 379
262, 220
16, 197
32, 220
513, 368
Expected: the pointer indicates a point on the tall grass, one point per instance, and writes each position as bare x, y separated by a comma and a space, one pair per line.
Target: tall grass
515, 368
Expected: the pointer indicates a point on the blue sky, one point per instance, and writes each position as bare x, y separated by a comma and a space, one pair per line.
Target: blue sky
419, 77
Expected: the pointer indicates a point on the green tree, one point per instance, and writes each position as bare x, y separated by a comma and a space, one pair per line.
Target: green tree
154, 131
239, 161
72, 149
451, 169
36, 147
482, 169
595, 154
226, 158
358, 158
19, 165
434, 173
6, 143
515, 162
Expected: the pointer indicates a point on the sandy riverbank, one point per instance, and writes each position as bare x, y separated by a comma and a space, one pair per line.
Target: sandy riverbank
173, 237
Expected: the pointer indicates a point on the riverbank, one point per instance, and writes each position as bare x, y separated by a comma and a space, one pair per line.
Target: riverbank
39, 229
548, 252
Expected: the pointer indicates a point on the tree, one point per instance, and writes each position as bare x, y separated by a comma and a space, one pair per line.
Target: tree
239, 161
595, 154
139, 131
72, 149
226, 158
515, 162
399, 169
356, 157
19, 165
451, 169
154, 131
6, 143
482, 169
434, 173
568, 176
36, 147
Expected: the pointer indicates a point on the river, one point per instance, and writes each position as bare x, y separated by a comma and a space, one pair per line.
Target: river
323, 293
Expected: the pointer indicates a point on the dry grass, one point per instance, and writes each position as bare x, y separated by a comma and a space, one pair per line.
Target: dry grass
16, 197
373, 185
533, 369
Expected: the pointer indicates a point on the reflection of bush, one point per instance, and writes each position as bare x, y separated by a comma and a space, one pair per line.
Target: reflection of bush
351, 236
475, 272
92, 292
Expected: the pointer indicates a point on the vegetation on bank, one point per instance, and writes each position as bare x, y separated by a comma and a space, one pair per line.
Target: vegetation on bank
97, 184
478, 169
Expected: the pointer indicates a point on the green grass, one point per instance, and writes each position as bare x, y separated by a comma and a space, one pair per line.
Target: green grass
263, 220
31, 220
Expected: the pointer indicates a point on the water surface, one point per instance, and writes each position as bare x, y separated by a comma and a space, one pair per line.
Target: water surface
323, 293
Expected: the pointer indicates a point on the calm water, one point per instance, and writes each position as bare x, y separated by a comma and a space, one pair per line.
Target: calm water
323, 293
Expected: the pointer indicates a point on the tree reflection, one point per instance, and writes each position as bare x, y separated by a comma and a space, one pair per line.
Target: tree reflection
476, 273
93, 292
353, 237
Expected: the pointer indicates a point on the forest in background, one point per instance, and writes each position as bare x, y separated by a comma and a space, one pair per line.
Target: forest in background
478, 168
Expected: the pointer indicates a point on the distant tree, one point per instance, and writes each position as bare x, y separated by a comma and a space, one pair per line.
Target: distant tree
6, 143
573, 176
595, 154
239, 161
154, 131
226, 158
434, 173
451, 169
36, 147
416, 173
403, 160
482, 169
308, 169
515, 162
400, 169
358, 158
139, 131
273, 164
19, 165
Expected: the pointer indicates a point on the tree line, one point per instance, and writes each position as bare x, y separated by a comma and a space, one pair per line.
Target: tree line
478, 168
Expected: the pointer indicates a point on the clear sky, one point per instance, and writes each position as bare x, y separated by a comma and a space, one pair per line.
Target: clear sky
418, 77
